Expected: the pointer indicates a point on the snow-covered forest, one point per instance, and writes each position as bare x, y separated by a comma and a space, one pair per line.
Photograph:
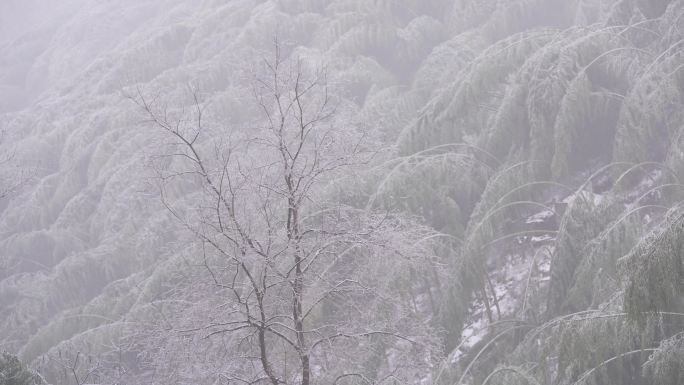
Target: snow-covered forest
342, 192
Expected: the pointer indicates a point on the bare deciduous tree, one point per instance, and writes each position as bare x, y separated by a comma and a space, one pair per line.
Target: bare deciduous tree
312, 289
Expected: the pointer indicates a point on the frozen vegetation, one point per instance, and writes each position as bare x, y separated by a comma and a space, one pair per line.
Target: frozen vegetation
338, 192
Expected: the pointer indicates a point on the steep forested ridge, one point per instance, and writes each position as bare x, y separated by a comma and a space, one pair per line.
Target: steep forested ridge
538, 142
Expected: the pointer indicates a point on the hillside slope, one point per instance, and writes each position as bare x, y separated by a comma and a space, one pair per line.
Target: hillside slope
542, 138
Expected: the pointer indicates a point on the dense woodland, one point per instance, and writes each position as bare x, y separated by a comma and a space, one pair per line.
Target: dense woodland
342, 192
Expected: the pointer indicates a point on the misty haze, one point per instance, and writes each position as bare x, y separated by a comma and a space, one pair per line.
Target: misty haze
342, 192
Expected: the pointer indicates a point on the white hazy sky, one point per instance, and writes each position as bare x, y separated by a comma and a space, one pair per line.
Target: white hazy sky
18, 17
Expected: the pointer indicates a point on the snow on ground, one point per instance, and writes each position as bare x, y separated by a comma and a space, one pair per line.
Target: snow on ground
528, 270
519, 274
540, 217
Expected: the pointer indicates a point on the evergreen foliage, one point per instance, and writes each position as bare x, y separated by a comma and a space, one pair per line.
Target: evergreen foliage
13, 372
547, 134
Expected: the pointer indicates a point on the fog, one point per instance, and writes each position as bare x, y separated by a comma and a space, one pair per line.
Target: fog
341, 192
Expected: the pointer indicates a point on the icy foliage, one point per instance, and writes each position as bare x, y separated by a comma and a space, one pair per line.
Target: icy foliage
538, 143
